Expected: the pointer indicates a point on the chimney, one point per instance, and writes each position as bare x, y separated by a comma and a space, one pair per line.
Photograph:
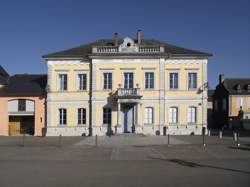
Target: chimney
138, 37
116, 39
221, 78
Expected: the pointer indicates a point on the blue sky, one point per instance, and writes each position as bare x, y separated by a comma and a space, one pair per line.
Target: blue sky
31, 28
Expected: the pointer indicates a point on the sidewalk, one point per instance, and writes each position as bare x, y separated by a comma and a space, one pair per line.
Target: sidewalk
128, 140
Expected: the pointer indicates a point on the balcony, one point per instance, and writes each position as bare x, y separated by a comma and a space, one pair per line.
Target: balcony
128, 93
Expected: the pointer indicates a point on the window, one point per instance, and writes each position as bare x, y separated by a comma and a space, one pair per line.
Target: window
106, 115
248, 87
81, 116
128, 80
62, 116
239, 102
173, 115
192, 80
148, 115
107, 81
149, 80
192, 114
21, 105
224, 104
63, 83
173, 80
82, 81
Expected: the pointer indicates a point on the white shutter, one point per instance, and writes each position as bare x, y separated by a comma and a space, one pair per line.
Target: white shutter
170, 116
193, 114
145, 115
150, 110
174, 115
189, 115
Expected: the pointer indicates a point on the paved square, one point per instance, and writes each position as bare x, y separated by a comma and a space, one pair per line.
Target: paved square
125, 160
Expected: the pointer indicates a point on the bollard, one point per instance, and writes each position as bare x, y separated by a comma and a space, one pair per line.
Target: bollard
60, 141
235, 136
203, 140
168, 139
96, 143
220, 134
238, 141
203, 136
23, 139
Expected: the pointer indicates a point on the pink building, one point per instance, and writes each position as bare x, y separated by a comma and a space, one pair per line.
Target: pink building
22, 104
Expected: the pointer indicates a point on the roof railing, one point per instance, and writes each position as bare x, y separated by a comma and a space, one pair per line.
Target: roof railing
151, 49
141, 49
105, 49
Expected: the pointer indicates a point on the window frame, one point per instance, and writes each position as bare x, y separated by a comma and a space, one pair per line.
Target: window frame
192, 118
149, 120
108, 81
124, 80
62, 112
105, 116
59, 84
147, 83
85, 87
83, 116
176, 114
169, 80
21, 105
196, 82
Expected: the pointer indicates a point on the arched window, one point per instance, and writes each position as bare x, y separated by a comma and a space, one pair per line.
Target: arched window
81, 116
192, 114
148, 115
173, 115
21, 105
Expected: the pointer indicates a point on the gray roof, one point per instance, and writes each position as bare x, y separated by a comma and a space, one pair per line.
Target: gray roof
25, 85
231, 85
85, 50
3, 76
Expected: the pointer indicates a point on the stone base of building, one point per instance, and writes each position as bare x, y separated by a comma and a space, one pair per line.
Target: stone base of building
146, 129
67, 131
184, 130
153, 130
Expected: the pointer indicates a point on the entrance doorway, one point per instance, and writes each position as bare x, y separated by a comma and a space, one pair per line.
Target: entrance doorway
128, 118
21, 125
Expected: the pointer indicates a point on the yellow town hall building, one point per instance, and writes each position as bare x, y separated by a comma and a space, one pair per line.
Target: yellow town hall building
126, 86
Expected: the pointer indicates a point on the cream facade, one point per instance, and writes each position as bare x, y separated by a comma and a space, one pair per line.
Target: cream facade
128, 88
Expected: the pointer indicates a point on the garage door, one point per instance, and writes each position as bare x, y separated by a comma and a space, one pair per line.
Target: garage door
14, 126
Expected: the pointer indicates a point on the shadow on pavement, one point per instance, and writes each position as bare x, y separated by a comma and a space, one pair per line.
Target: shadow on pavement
196, 165
240, 148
